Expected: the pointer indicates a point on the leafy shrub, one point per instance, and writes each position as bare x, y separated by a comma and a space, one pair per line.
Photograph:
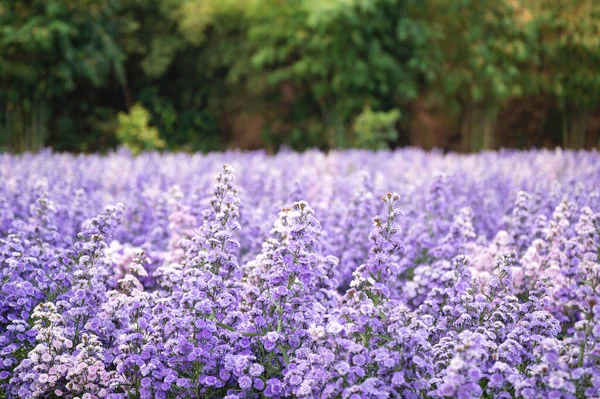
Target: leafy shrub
375, 129
134, 131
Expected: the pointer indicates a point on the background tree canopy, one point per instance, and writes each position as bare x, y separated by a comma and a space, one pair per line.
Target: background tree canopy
206, 74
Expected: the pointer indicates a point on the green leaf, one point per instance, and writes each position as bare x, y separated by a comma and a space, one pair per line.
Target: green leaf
225, 326
253, 334
286, 357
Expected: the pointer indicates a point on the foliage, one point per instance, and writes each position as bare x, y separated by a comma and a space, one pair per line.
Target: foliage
338, 55
568, 34
486, 48
375, 129
50, 45
47, 49
134, 131
189, 128
307, 67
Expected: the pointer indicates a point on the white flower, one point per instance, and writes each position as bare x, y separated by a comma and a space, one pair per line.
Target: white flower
317, 333
334, 327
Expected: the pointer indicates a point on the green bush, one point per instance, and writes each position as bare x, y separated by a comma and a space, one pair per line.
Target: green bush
135, 133
375, 129
337, 55
306, 67
48, 50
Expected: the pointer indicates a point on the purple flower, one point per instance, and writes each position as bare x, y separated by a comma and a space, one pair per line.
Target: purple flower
273, 388
245, 382
481, 282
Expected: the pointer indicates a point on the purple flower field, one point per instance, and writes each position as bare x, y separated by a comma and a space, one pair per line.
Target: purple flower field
355, 274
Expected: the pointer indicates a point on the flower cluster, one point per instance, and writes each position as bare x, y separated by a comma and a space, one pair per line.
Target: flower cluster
347, 275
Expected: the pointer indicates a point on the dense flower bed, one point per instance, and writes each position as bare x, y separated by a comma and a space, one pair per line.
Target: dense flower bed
300, 275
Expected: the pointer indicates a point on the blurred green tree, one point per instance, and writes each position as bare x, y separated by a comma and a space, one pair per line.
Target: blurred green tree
486, 48
331, 57
568, 34
338, 55
47, 49
179, 77
303, 68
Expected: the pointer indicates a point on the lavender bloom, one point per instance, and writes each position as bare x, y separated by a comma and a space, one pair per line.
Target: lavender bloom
487, 284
